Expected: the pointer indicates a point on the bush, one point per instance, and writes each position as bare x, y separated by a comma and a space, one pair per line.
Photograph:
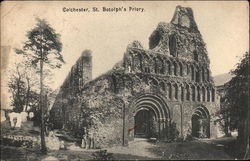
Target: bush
179, 139
174, 133
189, 138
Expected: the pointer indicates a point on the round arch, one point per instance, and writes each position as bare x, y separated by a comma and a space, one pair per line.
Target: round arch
157, 104
201, 122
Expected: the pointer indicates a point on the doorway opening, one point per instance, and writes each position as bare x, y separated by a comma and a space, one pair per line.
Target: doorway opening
145, 124
201, 123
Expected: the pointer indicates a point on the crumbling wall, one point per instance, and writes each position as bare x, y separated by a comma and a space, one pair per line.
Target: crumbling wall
103, 112
66, 111
181, 78
186, 33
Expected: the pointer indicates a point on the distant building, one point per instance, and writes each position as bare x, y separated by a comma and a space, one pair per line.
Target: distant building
220, 82
168, 84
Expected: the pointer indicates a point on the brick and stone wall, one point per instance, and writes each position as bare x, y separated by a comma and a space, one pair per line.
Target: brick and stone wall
66, 110
172, 78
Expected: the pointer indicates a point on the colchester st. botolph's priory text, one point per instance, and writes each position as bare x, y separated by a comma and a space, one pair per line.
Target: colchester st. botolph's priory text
103, 9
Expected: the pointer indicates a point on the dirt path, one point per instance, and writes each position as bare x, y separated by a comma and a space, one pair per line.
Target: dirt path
186, 150
138, 149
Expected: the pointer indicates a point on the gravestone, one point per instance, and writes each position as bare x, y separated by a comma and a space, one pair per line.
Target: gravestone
15, 119
3, 118
24, 116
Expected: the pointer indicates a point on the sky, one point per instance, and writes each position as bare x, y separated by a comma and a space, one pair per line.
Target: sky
223, 25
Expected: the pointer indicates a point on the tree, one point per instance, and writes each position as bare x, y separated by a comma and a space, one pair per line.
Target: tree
43, 47
223, 116
22, 84
17, 87
237, 99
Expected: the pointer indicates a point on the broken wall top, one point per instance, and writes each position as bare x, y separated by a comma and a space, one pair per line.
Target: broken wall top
184, 32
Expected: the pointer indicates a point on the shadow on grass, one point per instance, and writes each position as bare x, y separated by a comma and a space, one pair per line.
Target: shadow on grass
119, 156
231, 147
188, 150
19, 154
212, 149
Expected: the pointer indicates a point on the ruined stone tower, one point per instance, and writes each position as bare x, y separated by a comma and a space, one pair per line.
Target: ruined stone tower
70, 90
163, 92
86, 65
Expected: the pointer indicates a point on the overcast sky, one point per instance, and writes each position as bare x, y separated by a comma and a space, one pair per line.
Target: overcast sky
223, 25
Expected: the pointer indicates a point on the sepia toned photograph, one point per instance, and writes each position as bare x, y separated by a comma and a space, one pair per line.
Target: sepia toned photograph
124, 80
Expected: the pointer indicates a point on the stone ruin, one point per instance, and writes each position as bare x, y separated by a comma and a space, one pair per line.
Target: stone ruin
159, 92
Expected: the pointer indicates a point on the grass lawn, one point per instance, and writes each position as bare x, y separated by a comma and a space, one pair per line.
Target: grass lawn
24, 154
139, 149
167, 151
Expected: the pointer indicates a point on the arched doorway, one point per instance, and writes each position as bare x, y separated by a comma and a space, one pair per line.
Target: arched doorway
201, 123
151, 116
145, 124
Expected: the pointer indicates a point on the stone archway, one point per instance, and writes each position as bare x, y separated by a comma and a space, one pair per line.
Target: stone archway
201, 123
146, 124
151, 111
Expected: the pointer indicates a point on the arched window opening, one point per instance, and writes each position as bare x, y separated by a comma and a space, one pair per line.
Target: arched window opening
114, 82
193, 93
162, 67
208, 75
213, 94
172, 45
181, 69
208, 95
195, 55
175, 69
166, 64
201, 123
129, 62
140, 59
162, 86
198, 94
133, 64
137, 62
182, 93
176, 91
145, 64
156, 65
153, 85
203, 74
188, 69
154, 39
192, 73
120, 84
197, 79
187, 93
203, 94
169, 91
169, 69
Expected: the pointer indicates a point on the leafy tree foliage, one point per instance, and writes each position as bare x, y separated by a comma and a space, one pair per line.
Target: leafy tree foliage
237, 94
224, 116
17, 88
22, 86
234, 113
43, 47
43, 44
